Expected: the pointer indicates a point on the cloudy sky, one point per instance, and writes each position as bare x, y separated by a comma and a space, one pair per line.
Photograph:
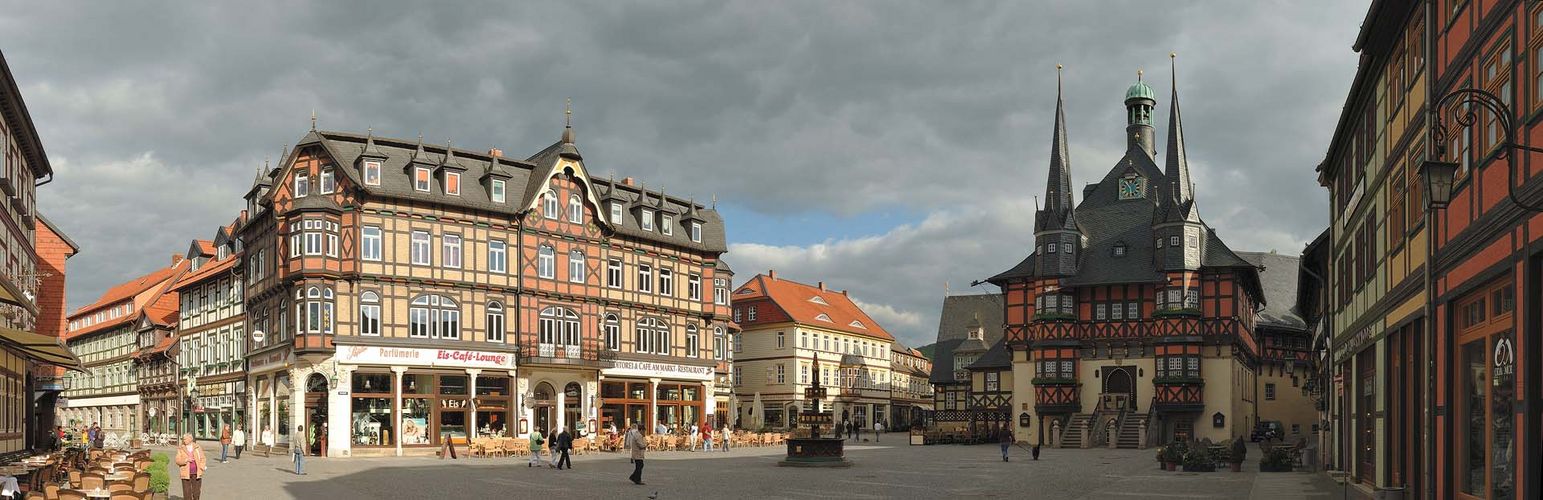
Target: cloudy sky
887, 148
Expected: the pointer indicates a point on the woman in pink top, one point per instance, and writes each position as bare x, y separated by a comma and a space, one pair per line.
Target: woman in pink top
192, 463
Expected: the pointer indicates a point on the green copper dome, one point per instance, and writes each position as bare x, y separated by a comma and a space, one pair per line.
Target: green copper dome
1140, 90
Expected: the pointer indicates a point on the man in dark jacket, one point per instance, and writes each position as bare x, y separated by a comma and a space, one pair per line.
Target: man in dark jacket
564, 442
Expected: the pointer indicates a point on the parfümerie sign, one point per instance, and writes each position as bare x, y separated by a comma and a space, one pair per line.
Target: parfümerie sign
628, 368
408, 356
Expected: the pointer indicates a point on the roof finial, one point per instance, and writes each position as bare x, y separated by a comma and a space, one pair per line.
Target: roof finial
1138, 74
313, 119
568, 112
1173, 67
715, 201
1058, 79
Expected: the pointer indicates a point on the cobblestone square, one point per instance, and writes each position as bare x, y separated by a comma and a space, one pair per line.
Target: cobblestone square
883, 470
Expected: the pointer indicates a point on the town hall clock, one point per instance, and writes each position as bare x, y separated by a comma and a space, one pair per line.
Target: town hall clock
1133, 187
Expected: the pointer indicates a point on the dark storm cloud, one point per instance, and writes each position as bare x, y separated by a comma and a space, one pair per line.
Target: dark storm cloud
157, 115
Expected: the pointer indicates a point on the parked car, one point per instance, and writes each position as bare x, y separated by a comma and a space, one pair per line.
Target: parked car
1268, 430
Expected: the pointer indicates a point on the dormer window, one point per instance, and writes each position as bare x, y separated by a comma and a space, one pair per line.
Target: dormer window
549, 205
696, 232
453, 183
421, 176
818, 300
857, 324
823, 317
668, 225
615, 213
498, 191
575, 209
303, 185
372, 173
328, 183
648, 220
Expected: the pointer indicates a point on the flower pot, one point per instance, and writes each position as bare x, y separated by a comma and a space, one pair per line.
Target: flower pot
1237, 466
1171, 466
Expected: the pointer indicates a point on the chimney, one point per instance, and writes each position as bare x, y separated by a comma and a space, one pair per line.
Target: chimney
626, 181
496, 153
843, 292
822, 286
772, 274
175, 258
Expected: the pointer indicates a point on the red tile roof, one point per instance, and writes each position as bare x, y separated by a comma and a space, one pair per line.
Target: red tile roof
799, 302
122, 292
210, 268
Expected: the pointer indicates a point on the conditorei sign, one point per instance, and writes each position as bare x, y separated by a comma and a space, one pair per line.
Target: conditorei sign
628, 368
409, 356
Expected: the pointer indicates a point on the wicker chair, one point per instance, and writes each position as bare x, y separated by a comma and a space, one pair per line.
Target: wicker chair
72, 495
580, 445
92, 481
142, 482
496, 448
51, 491
33, 495
126, 495
477, 448
75, 478
120, 486
518, 447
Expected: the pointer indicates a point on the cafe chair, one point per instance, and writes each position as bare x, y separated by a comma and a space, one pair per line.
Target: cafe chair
120, 486
51, 491
72, 495
74, 478
142, 481
33, 495
126, 495
92, 481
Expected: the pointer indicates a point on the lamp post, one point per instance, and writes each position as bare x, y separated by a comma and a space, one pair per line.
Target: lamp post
1437, 178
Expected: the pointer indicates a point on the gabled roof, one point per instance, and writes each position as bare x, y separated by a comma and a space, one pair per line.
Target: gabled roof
1279, 280
998, 356
953, 330
62, 237
211, 268
793, 297
159, 280
14, 111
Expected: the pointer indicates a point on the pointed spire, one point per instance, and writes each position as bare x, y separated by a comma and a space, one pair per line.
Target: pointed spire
1058, 189
313, 119
369, 145
568, 122
1180, 189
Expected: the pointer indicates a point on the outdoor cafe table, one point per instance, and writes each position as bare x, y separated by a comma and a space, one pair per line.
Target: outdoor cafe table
98, 493
120, 476
8, 485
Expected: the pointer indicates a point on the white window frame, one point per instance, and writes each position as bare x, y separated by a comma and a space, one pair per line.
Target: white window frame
576, 266
498, 256
328, 182
422, 179
667, 224
696, 232
372, 173
666, 282
614, 273
302, 185
575, 209
645, 278
616, 212
450, 246
611, 332
549, 207
370, 244
498, 191
495, 322
546, 262
422, 248
694, 287
453, 188
648, 220
369, 314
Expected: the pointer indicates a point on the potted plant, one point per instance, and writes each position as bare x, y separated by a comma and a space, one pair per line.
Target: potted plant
1276, 459
1198, 459
1237, 454
160, 475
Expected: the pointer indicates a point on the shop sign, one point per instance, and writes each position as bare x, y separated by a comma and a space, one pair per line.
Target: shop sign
1354, 343
460, 358
629, 368
453, 404
270, 360
1505, 359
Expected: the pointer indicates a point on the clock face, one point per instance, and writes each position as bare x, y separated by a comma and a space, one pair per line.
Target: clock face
1132, 188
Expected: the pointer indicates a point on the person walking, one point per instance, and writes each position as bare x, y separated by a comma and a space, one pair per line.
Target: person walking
634, 442
298, 451
240, 440
707, 437
1007, 441
878, 428
564, 442
267, 442
191, 463
225, 445
727, 433
535, 447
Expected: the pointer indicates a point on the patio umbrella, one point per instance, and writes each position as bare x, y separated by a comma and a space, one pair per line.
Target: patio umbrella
757, 412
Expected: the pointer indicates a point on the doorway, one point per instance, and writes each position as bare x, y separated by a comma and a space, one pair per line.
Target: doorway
1119, 388
316, 414
542, 407
573, 411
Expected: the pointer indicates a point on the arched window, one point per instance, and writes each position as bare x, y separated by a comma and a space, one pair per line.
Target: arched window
495, 322
718, 342
549, 204
576, 266
546, 262
433, 316
653, 336
559, 326
693, 343
575, 209
313, 310
611, 331
369, 314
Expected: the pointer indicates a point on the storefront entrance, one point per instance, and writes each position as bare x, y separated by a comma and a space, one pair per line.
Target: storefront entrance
315, 436
1486, 392
573, 410
544, 408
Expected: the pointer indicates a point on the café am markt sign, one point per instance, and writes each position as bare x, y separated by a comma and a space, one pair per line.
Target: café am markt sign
629, 368
408, 356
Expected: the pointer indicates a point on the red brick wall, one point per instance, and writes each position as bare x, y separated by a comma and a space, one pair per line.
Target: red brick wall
51, 254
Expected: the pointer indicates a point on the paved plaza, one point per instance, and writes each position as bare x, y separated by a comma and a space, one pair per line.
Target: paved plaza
888, 469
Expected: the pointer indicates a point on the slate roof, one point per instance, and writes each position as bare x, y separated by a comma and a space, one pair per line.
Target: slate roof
953, 334
524, 179
999, 356
1279, 280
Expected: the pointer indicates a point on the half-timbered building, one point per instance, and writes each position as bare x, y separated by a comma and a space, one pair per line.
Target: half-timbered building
401, 294
968, 326
1130, 310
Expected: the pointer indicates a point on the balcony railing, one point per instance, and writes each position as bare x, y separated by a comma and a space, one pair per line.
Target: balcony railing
588, 353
